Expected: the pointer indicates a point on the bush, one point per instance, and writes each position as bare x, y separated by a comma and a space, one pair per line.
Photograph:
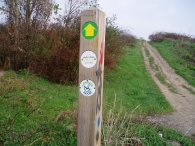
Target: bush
116, 40
53, 52
160, 36
12, 57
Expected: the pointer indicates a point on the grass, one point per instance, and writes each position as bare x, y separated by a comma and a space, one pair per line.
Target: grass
133, 86
150, 136
128, 129
29, 106
37, 112
180, 56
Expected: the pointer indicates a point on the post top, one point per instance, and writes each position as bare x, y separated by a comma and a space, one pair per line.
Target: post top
92, 9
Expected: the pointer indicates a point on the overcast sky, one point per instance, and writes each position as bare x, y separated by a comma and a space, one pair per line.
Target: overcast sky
143, 17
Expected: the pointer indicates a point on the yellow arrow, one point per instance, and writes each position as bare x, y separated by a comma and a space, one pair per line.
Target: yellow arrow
90, 30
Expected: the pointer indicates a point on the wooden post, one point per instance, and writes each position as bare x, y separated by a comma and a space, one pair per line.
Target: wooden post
91, 70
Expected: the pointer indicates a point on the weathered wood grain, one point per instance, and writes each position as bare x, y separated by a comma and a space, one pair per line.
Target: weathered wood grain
90, 108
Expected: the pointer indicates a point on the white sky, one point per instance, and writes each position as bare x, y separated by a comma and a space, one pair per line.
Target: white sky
143, 17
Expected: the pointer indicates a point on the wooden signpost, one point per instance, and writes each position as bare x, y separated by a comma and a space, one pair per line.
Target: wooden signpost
91, 70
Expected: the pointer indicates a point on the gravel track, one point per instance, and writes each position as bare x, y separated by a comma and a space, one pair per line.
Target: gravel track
182, 100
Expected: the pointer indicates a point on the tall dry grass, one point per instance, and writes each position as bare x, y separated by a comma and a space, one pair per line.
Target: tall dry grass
117, 127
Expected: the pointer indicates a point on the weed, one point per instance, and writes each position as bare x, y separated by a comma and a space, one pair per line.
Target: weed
189, 89
122, 128
116, 128
161, 77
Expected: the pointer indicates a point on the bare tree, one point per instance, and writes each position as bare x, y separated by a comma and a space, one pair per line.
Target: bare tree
26, 14
73, 9
16, 24
24, 19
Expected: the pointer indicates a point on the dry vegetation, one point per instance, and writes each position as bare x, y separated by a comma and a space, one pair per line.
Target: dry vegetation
160, 36
29, 40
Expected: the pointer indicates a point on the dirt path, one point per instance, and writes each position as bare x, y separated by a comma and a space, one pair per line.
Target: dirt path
177, 91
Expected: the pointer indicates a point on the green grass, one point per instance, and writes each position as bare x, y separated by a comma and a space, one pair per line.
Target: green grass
128, 129
29, 104
161, 77
133, 86
180, 56
150, 136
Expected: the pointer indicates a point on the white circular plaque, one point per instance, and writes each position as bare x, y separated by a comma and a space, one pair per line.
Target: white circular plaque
88, 59
87, 87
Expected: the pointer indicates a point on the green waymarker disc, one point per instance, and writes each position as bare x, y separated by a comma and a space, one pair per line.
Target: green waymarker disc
89, 30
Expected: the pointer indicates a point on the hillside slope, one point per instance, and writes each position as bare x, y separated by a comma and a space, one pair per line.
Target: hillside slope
176, 90
180, 55
37, 112
132, 85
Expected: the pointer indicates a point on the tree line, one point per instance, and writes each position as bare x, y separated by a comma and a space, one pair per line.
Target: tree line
37, 37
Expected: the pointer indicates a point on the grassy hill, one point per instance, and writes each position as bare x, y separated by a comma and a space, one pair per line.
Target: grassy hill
37, 112
133, 86
180, 55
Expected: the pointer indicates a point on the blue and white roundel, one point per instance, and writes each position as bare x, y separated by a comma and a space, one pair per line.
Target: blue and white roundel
87, 87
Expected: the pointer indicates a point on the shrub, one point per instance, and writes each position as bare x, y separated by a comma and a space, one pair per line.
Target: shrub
160, 36
116, 40
53, 52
